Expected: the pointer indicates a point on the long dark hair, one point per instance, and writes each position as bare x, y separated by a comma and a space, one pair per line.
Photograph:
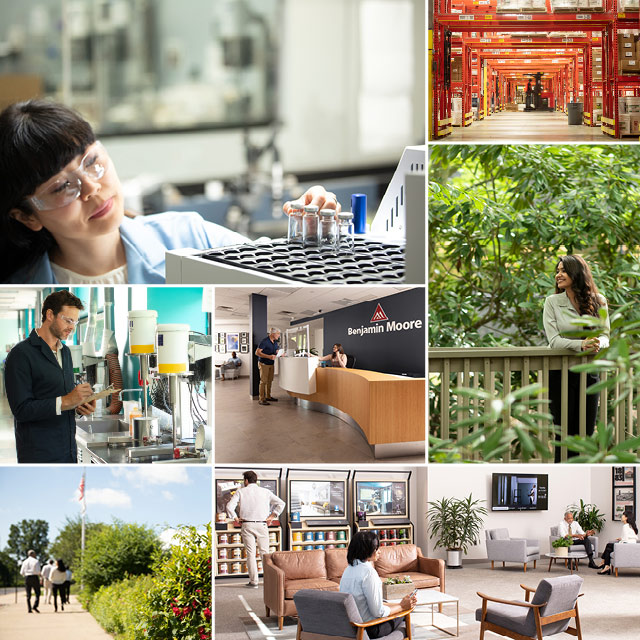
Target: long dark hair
631, 521
61, 565
38, 138
334, 354
586, 292
362, 546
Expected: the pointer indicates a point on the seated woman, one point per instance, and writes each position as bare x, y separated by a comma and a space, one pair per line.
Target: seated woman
337, 358
62, 215
629, 535
361, 580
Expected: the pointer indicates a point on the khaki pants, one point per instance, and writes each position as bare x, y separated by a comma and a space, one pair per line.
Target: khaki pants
266, 378
254, 533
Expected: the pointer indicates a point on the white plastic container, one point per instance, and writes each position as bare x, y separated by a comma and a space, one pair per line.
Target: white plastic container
142, 331
76, 357
172, 341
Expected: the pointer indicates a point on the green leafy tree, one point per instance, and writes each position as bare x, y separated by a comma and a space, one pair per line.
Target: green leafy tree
179, 604
67, 544
8, 570
26, 535
116, 551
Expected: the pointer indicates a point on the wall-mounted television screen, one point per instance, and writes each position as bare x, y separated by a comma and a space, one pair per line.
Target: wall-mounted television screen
520, 492
319, 498
226, 488
382, 498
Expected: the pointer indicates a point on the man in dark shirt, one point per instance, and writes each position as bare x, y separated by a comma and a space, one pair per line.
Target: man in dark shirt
266, 353
40, 387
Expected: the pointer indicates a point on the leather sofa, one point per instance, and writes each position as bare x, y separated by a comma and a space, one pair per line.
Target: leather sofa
287, 572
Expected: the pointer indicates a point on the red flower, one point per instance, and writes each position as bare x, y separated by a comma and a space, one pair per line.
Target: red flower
207, 613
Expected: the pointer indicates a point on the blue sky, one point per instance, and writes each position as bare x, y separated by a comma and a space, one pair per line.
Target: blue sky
146, 494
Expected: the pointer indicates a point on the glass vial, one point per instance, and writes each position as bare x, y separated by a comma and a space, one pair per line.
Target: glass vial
328, 230
346, 239
294, 234
310, 226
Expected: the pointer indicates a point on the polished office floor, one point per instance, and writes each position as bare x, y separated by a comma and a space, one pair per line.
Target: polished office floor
508, 127
282, 432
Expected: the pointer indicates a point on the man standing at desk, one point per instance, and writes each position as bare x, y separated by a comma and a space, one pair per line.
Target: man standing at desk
258, 507
266, 352
41, 389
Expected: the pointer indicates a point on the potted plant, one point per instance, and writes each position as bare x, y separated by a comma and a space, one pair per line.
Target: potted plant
561, 546
588, 516
396, 588
456, 525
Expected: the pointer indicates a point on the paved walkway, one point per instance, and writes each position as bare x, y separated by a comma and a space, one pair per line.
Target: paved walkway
71, 624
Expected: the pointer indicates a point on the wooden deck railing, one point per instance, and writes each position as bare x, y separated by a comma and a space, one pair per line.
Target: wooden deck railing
491, 368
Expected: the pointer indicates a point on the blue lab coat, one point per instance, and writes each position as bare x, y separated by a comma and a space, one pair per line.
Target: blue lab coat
33, 380
146, 238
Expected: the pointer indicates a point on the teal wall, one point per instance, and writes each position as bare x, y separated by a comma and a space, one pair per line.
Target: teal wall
178, 305
8, 334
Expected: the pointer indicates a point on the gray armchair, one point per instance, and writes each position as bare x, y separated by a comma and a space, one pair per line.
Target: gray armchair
504, 549
323, 614
555, 534
625, 556
554, 604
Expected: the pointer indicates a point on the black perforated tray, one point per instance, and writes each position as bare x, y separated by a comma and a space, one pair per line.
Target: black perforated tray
371, 262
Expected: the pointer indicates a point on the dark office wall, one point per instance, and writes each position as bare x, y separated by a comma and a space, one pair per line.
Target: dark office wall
384, 345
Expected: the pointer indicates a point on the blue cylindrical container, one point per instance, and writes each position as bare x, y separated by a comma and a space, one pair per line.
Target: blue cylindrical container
359, 209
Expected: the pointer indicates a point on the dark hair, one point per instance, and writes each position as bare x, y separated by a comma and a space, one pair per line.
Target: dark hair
250, 476
234, 354
61, 565
58, 299
362, 546
340, 350
38, 138
631, 521
587, 297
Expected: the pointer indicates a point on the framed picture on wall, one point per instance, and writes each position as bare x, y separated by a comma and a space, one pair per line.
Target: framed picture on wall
233, 342
624, 490
244, 338
244, 348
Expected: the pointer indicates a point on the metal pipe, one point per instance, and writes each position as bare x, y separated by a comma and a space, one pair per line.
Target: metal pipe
174, 401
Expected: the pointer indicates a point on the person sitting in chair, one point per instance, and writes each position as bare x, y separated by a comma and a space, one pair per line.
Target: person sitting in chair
232, 363
337, 357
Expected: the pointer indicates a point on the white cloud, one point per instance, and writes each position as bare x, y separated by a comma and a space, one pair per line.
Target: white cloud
167, 495
108, 498
153, 474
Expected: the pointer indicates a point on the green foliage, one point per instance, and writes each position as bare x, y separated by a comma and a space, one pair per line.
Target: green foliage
399, 580
26, 535
178, 604
562, 542
514, 425
499, 217
67, 544
115, 607
8, 570
456, 523
588, 516
602, 447
116, 551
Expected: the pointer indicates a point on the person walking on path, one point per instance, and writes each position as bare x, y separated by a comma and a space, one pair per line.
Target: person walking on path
30, 570
46, 581
59, 577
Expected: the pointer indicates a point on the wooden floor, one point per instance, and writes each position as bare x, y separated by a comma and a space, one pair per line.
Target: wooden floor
508, 127
282, 432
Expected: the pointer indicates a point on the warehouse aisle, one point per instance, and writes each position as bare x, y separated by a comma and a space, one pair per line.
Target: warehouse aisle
513, 127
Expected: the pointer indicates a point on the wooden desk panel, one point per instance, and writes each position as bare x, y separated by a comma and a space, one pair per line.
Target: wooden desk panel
387, 408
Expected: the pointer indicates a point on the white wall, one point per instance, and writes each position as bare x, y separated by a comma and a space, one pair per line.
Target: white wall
233, 326
567, 484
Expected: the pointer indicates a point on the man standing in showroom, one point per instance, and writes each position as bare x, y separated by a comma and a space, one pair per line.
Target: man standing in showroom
40, 386
267, 351
258, 508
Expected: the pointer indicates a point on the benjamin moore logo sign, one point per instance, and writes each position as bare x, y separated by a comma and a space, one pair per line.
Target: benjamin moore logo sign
379, 316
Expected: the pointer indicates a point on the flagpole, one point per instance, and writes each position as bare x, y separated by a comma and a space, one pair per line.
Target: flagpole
84, 511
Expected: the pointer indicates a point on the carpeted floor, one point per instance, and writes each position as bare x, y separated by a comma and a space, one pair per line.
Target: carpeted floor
608, 608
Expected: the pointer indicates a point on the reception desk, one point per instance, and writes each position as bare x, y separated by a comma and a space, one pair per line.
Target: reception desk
389, 410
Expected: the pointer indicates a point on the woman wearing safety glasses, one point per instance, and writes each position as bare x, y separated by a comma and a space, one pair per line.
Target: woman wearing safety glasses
62, 217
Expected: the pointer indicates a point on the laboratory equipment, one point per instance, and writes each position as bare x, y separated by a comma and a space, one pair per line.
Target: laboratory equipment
391, 252
328, 230
310, 226
346, 237
359, 210
294, 234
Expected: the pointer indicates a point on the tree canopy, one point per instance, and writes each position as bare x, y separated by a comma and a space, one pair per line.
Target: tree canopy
499, 218
26, 535
67, 544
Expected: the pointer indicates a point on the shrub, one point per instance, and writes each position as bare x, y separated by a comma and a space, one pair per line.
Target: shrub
178, 604
117, 551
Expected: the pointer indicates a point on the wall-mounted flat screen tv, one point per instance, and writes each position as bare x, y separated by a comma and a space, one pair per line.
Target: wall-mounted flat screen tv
382, 498
317, 498
520, 492
226, 488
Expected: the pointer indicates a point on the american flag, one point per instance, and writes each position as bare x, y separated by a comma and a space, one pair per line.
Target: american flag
81, 493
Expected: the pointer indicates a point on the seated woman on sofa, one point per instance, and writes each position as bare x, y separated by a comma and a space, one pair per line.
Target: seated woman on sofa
361, 580
629, 535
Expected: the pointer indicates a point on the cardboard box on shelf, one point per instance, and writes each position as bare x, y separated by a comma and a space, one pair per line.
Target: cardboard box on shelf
635, 123
624, 121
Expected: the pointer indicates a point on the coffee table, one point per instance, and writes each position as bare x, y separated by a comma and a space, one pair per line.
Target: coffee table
431, 598
574, 558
